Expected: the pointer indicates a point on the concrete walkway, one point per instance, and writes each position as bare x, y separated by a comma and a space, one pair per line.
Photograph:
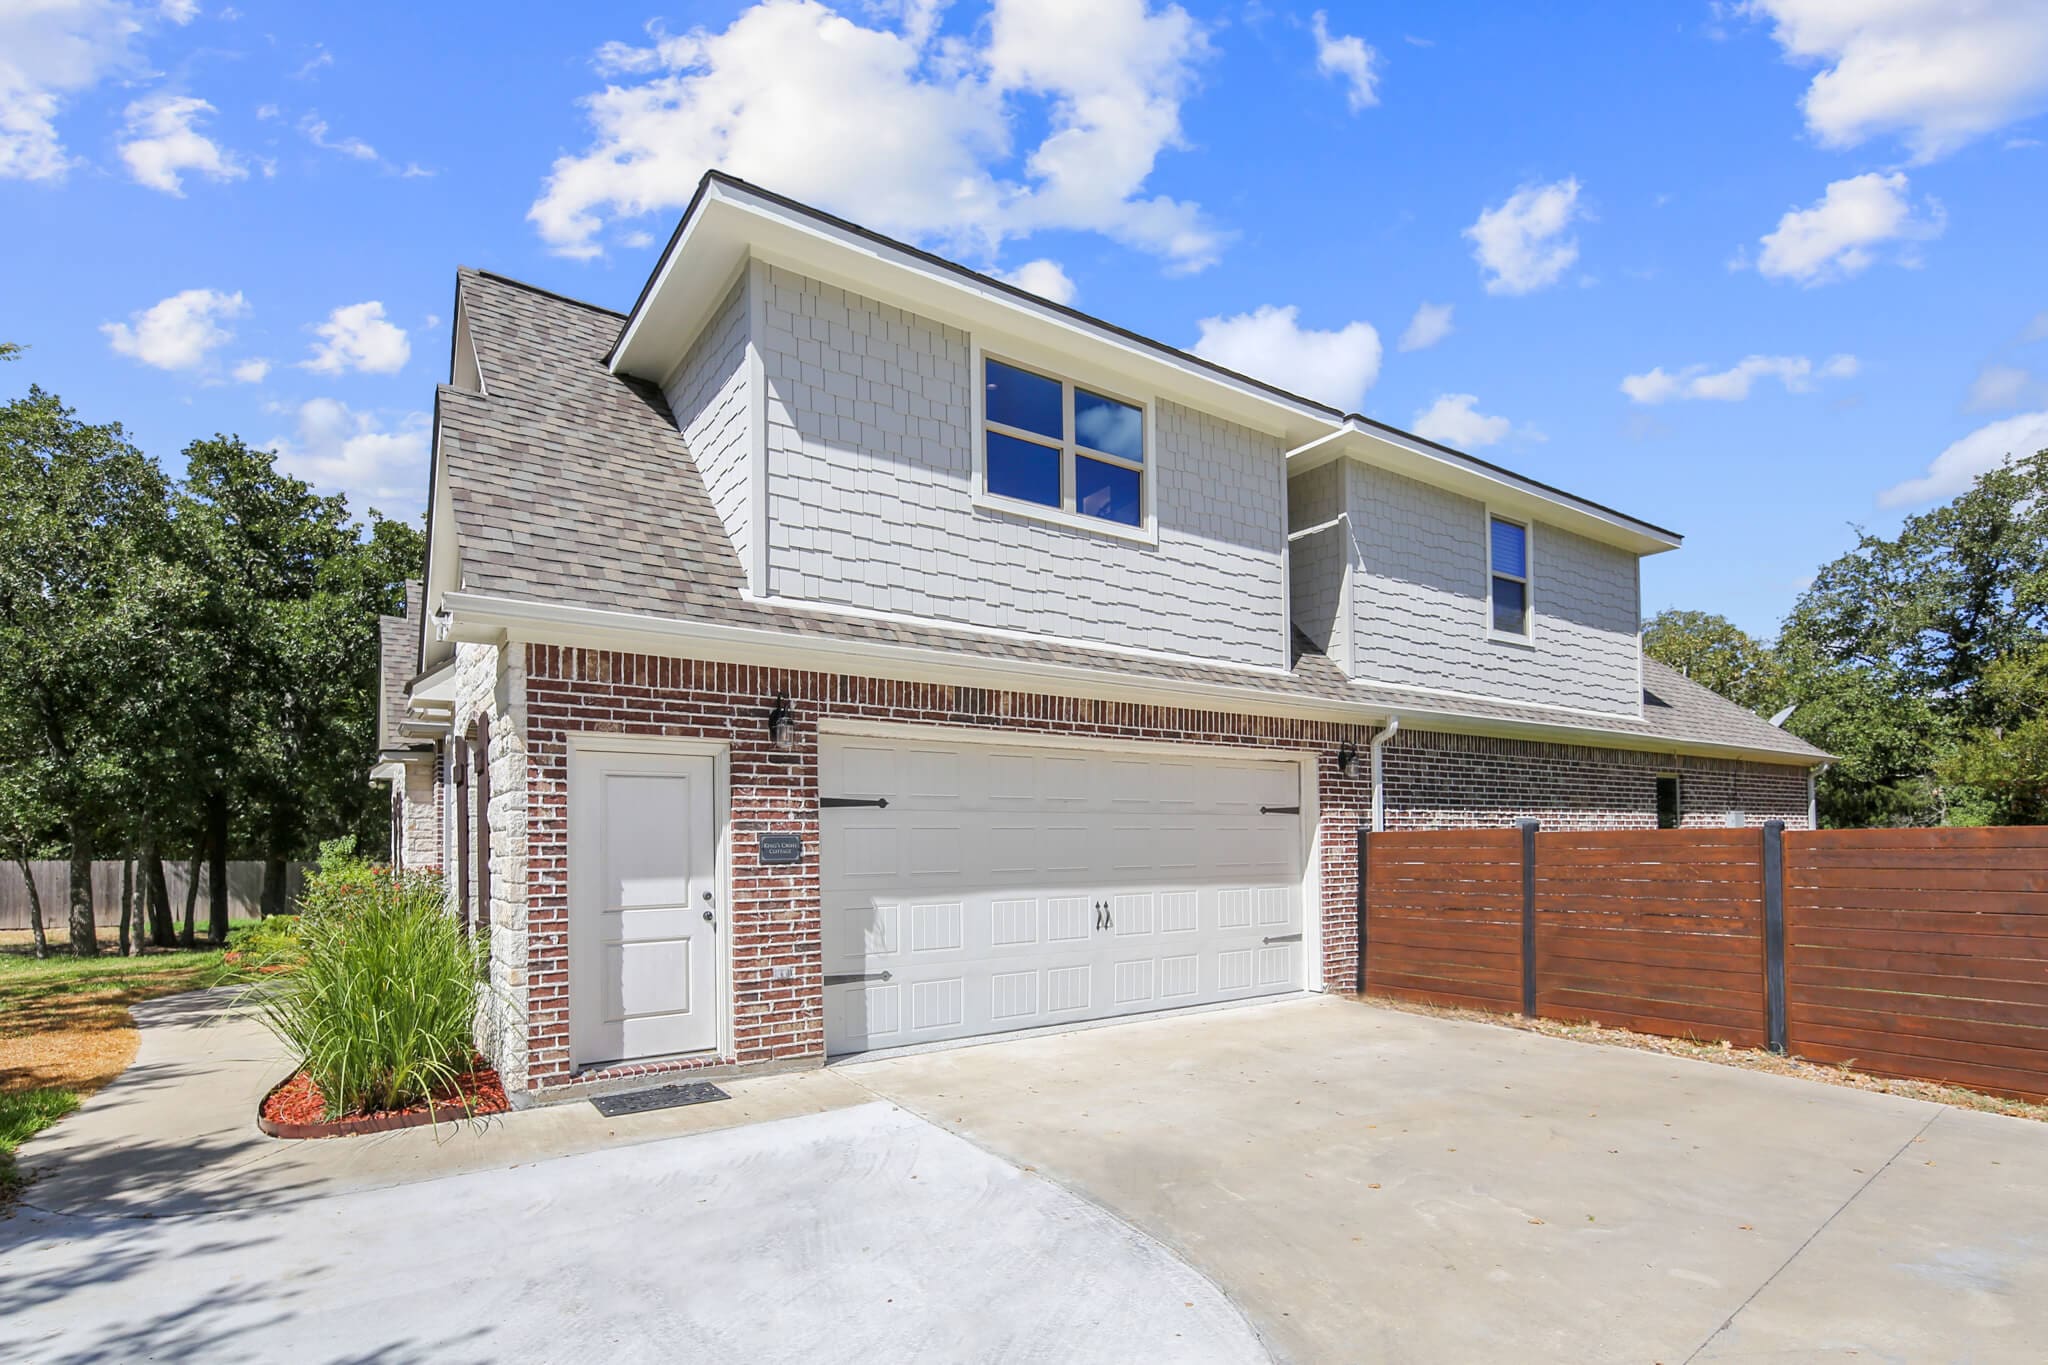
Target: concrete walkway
1372, 1185
167, 1229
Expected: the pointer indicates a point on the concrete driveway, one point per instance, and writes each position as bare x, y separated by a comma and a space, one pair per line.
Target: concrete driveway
1313, 1179
1371, 1185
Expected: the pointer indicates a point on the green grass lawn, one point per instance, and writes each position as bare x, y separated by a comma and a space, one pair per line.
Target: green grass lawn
65, 1030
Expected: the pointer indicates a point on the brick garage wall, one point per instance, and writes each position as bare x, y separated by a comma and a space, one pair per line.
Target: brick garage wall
1439, 781
774, 918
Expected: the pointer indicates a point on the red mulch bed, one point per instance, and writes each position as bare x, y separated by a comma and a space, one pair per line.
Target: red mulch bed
295, 1108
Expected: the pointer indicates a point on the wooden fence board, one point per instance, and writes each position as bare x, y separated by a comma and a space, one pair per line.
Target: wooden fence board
1917, 953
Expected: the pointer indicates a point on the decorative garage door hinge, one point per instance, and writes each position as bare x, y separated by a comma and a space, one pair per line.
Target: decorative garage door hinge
1279, 810
847, 978
1277, 938
829, 802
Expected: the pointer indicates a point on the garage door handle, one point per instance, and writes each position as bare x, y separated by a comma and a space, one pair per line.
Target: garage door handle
847, 978
1282, 938
1279, 810
834, 802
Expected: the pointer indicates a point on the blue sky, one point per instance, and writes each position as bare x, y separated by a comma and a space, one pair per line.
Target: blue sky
1756, 272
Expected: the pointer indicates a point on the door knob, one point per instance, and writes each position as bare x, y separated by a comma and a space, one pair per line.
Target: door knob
709, 917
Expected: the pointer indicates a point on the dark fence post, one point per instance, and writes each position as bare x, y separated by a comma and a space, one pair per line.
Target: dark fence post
1774, 935
1364, 866
1528, 828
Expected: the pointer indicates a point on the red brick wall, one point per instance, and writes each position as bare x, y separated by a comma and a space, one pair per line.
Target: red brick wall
1438, 781
774, 918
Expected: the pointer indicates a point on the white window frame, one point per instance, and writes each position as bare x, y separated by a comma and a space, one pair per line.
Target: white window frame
1527, 634
1069, 450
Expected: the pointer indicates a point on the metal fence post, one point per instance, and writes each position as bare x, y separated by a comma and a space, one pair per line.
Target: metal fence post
1774, 935
1364, 867
1528, 828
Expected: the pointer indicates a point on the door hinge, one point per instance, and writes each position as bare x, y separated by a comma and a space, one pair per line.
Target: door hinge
848, 978
832, 802
1279, 810
1276, 938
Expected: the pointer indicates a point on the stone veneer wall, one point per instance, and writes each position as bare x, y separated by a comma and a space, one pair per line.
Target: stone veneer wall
774, 916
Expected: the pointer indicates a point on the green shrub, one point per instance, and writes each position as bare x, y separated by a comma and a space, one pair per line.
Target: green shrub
267, 945
378, 1011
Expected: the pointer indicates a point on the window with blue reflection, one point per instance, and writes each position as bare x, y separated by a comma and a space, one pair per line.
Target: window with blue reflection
1111, 427
1510, 606
1510, 548
1029, 402
1023, 470
1108, 491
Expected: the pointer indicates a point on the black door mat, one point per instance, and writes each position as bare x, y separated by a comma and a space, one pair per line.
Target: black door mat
661, 1097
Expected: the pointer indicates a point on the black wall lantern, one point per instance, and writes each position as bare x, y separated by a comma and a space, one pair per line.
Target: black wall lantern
1347, 758
782, 724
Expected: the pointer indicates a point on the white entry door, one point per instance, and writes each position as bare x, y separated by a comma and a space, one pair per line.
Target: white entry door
1009, 886
643, 922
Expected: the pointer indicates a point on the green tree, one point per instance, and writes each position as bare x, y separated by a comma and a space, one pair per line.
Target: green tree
1718, 655
2006, 762
82, 515
1887, 653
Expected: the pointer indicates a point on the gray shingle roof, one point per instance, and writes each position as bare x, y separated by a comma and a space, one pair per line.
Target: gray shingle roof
572, 486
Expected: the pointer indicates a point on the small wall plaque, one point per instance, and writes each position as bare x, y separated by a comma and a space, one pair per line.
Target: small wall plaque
781, 848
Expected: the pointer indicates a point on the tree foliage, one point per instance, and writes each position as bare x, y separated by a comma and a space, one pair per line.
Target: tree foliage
1717, 654
182, 666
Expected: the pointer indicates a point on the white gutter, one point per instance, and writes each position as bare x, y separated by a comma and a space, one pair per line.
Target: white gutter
1379, 774
1813, 795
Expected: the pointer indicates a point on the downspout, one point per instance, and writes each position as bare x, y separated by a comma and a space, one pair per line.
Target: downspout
1813, 795
1379, 773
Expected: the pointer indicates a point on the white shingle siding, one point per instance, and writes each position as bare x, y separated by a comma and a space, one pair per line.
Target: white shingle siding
870, 491
708, 395
1419, 603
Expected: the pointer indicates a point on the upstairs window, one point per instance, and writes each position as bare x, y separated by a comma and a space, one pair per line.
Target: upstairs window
1508, 551
1057, 444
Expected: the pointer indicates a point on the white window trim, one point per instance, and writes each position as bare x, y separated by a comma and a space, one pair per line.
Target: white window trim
1145, 533
1527, 635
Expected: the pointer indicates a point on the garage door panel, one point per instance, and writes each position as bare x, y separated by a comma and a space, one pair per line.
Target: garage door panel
974, 901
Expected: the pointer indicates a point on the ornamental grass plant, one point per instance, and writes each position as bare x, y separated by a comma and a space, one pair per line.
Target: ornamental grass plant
378, 1008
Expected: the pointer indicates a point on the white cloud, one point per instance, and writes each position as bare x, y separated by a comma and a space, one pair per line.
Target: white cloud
1522, 244
51, 50
177, 333
161, 143
1431, 324
2002, 386
2037, 330
1350, 60
356, 337
1042, 277
338, 449
1957, 467
1841, 233
768, 98
1271, 344
1452, 421
316, 131
1732, 385
252, 371
1937, 72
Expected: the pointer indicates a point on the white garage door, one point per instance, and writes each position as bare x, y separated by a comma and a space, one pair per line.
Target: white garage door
1004, 887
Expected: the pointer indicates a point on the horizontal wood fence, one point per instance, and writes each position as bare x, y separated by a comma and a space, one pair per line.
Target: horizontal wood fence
1914, 953
53, 885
